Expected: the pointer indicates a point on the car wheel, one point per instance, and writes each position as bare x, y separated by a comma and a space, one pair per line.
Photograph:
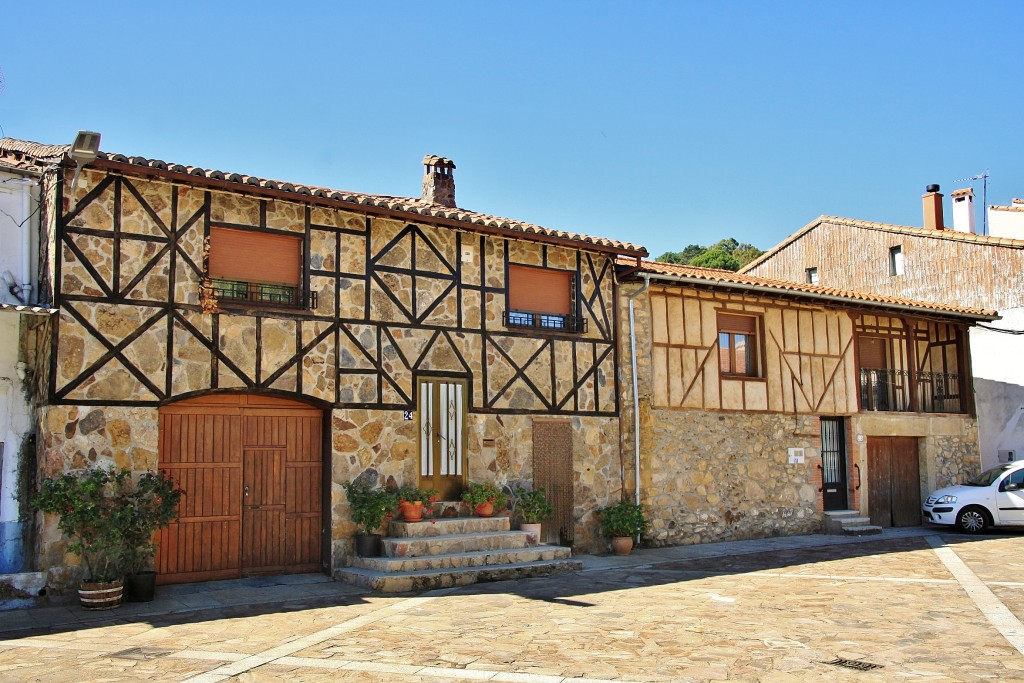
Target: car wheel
972, 520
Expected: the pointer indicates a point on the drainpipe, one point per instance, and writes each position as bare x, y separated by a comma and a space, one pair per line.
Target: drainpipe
26, 243
636, 395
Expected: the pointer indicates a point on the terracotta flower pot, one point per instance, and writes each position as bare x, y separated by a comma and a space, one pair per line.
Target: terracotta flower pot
533, 528
412, 510
622, 545
484, 510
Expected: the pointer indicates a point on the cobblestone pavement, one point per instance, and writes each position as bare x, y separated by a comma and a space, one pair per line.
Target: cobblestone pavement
909, 605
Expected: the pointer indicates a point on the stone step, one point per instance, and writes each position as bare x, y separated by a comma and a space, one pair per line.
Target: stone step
849, 523
463, 560
447, 526
402, 582
447, 544
861, 530
839, 514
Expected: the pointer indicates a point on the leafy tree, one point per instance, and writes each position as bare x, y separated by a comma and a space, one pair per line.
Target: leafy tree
727, 254
716, 258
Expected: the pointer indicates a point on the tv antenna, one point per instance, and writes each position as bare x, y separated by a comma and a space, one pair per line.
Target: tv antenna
983, 177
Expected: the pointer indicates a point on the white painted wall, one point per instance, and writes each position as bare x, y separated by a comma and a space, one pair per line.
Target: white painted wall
1006, 223
16, 221
998, 364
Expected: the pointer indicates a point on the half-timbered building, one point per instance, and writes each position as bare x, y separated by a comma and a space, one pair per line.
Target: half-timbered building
754, 406
266, 342
939, 263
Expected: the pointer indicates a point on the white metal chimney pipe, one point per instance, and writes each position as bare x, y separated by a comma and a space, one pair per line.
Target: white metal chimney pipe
26, 243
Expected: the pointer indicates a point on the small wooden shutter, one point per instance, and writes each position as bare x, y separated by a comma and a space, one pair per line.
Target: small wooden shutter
252, 256
872, 352
740, 324
539, 289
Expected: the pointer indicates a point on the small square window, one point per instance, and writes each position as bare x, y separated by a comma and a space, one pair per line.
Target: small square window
812, 276
896, 261
739, 349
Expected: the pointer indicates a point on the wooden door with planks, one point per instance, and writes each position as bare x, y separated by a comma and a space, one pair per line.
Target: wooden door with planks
894, 481
251, 469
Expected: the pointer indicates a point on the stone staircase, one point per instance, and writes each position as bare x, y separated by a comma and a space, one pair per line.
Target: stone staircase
849, 523
455, 551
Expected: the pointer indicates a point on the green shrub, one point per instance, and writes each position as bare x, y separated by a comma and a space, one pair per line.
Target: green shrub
369, 505
482, 492
533, 506
623, 519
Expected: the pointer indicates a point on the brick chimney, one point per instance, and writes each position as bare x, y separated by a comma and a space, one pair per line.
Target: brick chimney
963, 210
438, 180
932, 201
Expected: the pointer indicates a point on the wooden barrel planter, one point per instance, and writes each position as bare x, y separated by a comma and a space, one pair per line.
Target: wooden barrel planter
101, 595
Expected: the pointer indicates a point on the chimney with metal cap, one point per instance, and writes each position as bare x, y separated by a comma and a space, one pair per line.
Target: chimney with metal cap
963, 210
438, 180
932, 201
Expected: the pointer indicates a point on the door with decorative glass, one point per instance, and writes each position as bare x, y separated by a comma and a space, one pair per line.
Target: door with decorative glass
441, 408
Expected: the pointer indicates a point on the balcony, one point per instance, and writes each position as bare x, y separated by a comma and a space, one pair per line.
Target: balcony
256, 293
547, 322
906, 391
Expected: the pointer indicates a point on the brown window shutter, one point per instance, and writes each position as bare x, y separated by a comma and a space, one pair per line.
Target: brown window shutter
872, 352
255, 256
740, 324
541, 290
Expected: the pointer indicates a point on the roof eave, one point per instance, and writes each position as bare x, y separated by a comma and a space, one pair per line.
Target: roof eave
128, 168
821, 296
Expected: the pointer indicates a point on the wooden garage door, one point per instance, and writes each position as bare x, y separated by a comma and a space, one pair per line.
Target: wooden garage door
250, 467
894, 481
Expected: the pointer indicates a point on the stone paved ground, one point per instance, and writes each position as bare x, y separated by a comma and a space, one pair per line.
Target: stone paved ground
922, 606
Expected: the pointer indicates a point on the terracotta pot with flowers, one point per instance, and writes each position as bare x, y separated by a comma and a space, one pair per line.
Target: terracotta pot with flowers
92, 518
485, 497
415, 504
369, 507
622, 523
533, 508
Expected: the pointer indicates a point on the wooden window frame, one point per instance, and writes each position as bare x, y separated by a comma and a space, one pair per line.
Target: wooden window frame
897, 264
233, 288
812, 275
727, 324
538, 317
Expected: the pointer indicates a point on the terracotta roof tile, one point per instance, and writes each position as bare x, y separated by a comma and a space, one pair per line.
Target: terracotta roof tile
727, 278
10, 148
946, 234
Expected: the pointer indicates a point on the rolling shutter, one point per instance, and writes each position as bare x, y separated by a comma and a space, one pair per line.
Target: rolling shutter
872, 352
540, 290
251, 256
739, 324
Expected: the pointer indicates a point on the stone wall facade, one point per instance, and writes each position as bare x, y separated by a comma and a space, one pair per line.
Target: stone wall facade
713, 476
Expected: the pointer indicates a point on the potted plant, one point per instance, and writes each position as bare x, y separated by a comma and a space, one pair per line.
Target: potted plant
92, 518
149, 505
484, 497
368, 507
621, 523
414, 504
533, 507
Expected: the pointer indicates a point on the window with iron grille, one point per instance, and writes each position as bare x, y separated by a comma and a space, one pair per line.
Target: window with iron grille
542, 299
256, 268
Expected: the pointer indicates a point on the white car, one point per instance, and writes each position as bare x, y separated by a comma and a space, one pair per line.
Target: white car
994, 497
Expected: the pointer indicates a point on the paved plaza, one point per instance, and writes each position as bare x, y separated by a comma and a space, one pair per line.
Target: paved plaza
911, 604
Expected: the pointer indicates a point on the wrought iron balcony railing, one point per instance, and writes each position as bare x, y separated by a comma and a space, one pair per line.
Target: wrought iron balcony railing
906, 391
544, 321
282, 296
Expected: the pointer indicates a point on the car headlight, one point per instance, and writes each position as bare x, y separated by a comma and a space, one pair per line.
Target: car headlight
945, 499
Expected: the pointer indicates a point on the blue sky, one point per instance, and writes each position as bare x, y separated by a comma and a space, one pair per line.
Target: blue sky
659, 123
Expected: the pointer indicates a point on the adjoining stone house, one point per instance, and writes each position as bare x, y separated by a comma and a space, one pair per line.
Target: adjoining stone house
755, 412
266, 342
940, 264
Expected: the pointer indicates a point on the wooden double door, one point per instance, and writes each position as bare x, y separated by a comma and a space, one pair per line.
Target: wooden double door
251, 468
894, 481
